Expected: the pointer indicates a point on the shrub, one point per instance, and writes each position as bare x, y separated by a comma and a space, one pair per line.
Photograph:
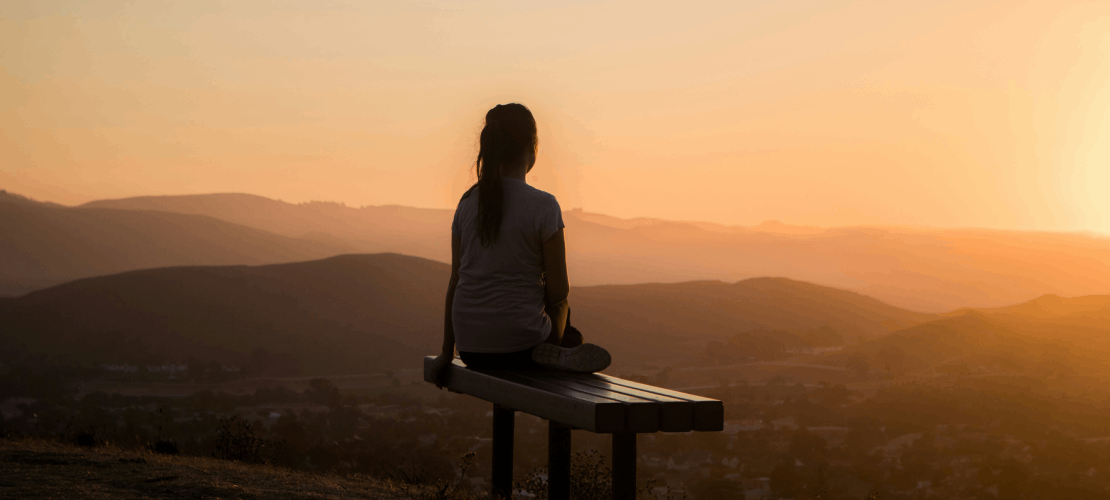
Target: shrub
165, 447
87, 438
237, 440
590, 479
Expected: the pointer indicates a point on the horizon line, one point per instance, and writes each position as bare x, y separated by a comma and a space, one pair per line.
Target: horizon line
1096, 233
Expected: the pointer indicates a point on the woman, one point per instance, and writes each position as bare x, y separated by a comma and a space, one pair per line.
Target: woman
506, 303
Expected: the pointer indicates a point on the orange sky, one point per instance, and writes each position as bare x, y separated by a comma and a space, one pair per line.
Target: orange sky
986, 113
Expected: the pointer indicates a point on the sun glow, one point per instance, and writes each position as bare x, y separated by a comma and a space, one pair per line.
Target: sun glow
944, 113
1098, 175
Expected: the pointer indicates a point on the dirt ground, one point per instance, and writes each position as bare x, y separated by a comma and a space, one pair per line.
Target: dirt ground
41, 469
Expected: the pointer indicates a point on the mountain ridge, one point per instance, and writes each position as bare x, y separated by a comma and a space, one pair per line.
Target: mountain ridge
46, 244
932, 270
224, 313
336, 313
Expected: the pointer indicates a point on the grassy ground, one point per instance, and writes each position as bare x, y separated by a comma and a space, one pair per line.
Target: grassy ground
41, 469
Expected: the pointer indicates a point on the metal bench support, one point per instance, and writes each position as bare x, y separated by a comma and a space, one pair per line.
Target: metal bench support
624, 466
592, 402
558, 461
502, 473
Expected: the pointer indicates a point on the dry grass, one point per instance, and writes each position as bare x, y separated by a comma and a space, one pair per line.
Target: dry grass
31, 468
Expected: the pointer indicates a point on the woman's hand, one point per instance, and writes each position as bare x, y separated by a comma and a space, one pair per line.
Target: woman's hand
439, 368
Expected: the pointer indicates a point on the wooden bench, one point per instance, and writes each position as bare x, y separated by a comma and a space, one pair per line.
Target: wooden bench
593, 402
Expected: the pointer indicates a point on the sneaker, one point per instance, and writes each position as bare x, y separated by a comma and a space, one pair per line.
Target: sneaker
586, 358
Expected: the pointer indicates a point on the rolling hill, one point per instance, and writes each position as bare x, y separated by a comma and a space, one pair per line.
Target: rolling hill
45, 244
1050, 336
339, 315
1093, 308
666, 322
366, 313
933, 270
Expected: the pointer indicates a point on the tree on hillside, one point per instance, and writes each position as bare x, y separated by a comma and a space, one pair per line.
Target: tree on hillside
858, 364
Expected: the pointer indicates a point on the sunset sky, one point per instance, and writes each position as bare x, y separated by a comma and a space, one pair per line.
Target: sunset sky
941, 113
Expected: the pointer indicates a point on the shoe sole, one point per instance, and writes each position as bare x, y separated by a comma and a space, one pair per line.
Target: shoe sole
586, 358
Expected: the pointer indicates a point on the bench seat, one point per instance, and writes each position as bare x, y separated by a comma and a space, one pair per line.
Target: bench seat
593, 402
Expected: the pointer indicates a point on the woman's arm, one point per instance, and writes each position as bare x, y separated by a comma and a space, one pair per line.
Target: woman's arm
447, 352
557, 285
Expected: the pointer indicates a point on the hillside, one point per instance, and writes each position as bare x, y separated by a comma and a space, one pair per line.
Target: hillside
345, 314
934, 270
40, 469
1050, 336
44, 244
1049, 307
660, 321
367, 313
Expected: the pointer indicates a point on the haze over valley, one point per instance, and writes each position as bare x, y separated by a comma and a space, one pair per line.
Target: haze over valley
231, 277
369, 313
921, 269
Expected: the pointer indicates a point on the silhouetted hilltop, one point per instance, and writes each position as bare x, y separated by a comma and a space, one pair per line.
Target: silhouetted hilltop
1052, 306
933, 270
356, 313
411, 231
45, 244
9, 197
657, 320
1049, 336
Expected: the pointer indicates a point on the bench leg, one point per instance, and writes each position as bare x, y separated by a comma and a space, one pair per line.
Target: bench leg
624, 466
558, 461
501, 482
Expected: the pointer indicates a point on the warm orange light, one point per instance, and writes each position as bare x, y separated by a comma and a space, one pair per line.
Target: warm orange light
949, 114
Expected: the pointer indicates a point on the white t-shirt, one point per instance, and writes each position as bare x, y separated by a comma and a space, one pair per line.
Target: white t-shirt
499, 299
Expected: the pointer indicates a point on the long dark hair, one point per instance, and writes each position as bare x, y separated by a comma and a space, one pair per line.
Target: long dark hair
508, 136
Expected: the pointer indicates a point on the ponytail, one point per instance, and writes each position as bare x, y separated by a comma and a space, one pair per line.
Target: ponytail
509, 134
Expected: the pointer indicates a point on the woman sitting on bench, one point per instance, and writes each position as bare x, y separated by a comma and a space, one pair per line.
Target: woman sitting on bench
507, 300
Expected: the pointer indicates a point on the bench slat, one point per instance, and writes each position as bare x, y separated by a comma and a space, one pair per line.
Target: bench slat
570, 407
642, 413
594, 402
709, 414
675, 415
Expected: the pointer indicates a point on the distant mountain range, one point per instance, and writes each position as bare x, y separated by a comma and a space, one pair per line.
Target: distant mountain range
931, 270
405, 230
44, 244
368, 313
364, 313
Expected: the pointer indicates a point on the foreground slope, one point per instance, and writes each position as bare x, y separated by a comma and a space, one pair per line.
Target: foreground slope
41, 469
933, 270
366, 313
44, 244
